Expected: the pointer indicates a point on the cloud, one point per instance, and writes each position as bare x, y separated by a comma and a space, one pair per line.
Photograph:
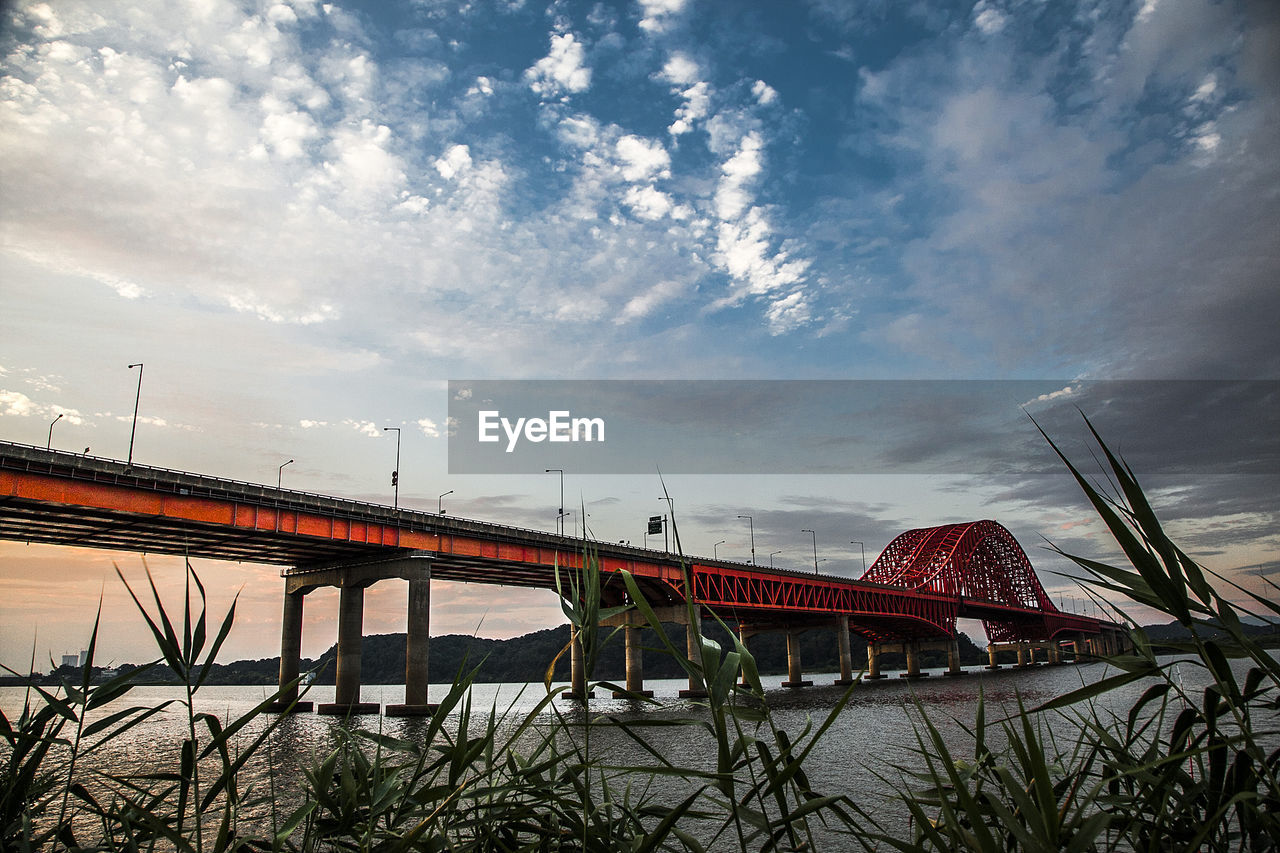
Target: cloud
987, 18
366, 428
561, 70
659, 16
16, 403
456, 159
647, 202
764, 93
642, 159
644, 304
680, 70
429, 427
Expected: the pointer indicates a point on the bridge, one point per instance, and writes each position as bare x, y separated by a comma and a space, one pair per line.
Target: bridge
908, 601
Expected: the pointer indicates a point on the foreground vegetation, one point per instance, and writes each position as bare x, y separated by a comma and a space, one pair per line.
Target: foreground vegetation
1180, 770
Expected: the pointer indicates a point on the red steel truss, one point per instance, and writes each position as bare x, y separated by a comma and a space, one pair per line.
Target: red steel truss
982, 565
923, 582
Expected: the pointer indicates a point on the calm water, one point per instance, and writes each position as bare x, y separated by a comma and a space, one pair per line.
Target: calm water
874, 731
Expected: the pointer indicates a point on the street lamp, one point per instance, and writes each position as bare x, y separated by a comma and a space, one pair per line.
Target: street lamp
440, 502
752, 525
280, 473
395, 475
671, 514
815, 548
559, 515
715, 552
48, 445
771, 558
864, 553
136, 398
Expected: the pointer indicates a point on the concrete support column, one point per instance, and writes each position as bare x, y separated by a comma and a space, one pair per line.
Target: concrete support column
290, 655
743, 637
416, 657
635, 664
846, 655
350, 636
1055, 654
693, 650
991, 656
1022, 654
912, 650
577, 668
953, 658
795, 672
873, 661
1031, 655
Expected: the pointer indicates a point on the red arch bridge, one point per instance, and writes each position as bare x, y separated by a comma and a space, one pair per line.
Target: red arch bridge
908, 601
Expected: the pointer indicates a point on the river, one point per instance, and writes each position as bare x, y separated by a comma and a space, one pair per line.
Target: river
875, 731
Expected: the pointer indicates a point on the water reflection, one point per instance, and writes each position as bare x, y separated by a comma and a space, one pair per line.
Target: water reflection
874, 732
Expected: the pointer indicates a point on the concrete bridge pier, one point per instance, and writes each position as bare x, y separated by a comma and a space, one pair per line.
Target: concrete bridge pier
290, 656
846, 655
346, 699
744, 634
911, 648
577, 668
795, 672
416, 651
953, 658
693, 648
991, 656
635, 664
873, 660
351, 580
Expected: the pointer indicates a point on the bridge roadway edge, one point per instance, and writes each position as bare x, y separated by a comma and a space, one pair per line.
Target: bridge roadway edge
68, 499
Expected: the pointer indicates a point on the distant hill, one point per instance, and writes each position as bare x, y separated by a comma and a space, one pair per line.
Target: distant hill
526, 658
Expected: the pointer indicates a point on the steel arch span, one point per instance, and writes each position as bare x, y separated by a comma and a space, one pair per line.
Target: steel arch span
982, 565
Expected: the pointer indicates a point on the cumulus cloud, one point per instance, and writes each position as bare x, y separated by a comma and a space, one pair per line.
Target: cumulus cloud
659, 16
365, 428
647, 202
680, 70
16, 403
562, 70
456, 159
987, 18
429, 427
642, 159
765, 94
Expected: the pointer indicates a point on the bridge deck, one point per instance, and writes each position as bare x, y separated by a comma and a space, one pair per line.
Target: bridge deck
68, 499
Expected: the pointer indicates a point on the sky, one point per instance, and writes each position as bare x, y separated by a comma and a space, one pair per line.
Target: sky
307, 219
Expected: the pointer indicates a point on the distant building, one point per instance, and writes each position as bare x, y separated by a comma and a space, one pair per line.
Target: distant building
71, 660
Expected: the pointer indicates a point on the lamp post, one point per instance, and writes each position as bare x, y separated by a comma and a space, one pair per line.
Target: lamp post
671, 513
715, 549
752, 525
815, 548
440, 502
771, 558
280, 473
48, 445
395, 475
864, 553
560, 514
136, 398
